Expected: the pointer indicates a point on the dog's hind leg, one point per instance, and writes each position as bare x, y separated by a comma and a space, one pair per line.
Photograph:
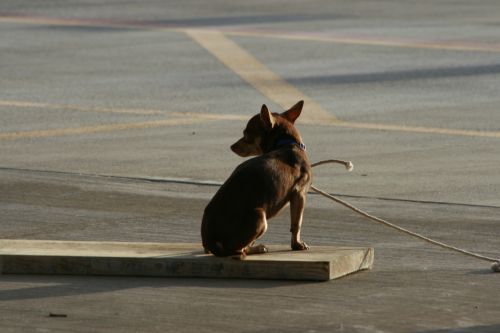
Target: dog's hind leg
238, 240
260, 228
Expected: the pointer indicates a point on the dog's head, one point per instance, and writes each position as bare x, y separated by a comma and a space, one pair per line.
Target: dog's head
264, 130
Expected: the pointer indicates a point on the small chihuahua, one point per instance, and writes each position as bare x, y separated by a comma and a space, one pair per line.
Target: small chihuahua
260, 187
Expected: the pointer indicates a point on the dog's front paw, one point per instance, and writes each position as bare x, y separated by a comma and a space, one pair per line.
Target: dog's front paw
299, 246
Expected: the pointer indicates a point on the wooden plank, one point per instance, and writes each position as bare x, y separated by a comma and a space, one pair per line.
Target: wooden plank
320, 263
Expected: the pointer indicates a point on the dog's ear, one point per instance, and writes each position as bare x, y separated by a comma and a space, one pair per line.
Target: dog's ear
267, 117
294, 112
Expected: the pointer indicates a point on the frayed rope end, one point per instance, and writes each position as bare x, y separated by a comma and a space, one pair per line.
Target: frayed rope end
349, 166
495, 267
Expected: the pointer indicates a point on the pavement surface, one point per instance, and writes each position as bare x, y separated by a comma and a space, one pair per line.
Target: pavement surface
116, 121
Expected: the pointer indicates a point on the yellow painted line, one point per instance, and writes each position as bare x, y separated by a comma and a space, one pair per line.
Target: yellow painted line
98, 128
213, 116
404, 43
355, 40
186, 118
36, 105
417, 129
257, 74
360, 125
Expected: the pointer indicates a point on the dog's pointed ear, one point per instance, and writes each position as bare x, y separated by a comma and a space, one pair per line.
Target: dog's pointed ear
294, 112
267, 117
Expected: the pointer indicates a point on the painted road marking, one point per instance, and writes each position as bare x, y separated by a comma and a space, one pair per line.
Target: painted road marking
367, 126
247, 67
356, 125
369, 41
243, 31
98, 128
187, 118
192, 117
418, 129
37, 105
257, 74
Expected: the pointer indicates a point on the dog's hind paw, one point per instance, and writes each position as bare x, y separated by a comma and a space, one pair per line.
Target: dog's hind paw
257, 249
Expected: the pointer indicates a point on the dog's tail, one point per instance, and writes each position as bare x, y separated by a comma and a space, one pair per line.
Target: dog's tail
348, 164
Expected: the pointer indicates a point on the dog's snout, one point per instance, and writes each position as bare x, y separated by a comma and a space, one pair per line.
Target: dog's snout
234, 148
238, 150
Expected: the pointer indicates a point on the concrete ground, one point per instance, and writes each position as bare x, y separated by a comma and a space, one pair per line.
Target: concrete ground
116, 120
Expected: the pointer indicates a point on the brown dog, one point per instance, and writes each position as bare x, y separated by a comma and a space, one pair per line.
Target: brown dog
260, 187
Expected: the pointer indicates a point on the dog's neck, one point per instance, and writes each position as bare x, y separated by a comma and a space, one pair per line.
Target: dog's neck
288, 142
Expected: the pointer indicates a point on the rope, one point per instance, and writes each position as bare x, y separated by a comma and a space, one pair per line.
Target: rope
496, 262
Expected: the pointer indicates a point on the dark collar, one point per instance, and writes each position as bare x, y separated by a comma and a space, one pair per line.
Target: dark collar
287, 142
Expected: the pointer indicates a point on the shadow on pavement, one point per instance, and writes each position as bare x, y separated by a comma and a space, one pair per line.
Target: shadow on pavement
58, 286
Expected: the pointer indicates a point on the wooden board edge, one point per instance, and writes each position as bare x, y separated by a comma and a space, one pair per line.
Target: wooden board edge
164, 267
